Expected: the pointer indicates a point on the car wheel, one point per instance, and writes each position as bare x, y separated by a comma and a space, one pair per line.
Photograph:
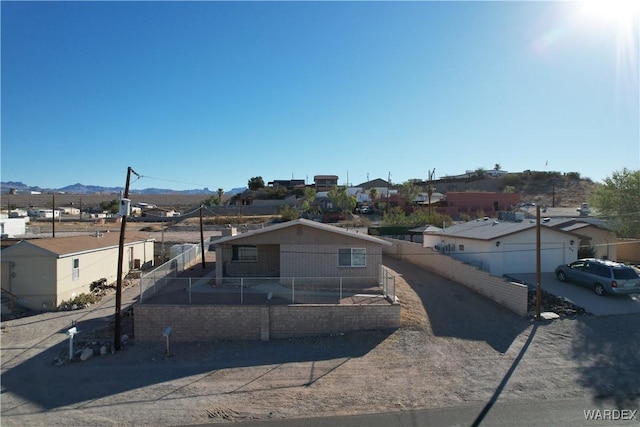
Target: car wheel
599, 289
561, 276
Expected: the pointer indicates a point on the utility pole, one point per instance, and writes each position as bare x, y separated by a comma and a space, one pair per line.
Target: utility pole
53, 215
202, 239
538, 264
430, 178
123, 226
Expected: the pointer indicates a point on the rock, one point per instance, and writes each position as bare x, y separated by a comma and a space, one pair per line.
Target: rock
103, 350
86, 354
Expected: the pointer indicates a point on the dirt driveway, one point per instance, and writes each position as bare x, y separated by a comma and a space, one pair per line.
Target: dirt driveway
454, 348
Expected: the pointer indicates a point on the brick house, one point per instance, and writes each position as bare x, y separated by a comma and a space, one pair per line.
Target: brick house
300, 248
472, 203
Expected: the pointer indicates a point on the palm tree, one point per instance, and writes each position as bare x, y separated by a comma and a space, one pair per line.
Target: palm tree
497, 167
373, 193
220, 193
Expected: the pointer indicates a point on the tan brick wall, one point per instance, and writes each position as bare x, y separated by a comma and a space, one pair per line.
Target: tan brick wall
629, 250
251, 322
508, 294
307, 320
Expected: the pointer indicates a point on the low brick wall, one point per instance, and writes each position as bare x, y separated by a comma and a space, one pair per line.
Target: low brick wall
508, 294
191, 323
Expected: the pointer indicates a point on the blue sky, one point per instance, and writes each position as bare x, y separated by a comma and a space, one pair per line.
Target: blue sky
210, 94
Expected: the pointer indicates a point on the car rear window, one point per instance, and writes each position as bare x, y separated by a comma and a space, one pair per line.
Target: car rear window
625, 273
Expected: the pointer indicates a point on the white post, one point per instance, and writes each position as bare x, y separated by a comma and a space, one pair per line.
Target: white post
293, 290
71, 332
340, 288
242, 290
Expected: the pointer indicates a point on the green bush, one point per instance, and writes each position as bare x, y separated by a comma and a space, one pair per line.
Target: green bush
80, 301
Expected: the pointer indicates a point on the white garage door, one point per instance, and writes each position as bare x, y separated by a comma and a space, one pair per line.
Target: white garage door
521, 258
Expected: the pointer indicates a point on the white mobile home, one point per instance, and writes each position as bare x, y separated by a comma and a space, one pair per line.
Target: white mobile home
44, 272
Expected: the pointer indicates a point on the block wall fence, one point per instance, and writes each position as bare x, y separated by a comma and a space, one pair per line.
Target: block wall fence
511, 295
258, 322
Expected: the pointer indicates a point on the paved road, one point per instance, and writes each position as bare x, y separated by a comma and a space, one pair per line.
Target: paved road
566, 412
584, 297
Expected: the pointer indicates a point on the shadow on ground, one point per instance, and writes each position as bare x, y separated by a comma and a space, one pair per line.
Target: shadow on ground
40, 383
456, 311
609, 348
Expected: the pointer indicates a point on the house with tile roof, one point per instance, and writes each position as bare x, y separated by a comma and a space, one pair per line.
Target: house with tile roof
42, 273
506, 247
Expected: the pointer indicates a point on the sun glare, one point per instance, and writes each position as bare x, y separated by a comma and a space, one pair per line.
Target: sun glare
611, 10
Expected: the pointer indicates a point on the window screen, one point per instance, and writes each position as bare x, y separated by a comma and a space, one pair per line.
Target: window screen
352, 257
245, 253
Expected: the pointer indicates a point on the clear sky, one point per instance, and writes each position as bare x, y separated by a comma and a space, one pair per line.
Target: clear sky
210, 94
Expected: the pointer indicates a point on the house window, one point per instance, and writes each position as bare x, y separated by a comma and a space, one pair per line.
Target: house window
461, 247
75, 272
352, 257
245, 253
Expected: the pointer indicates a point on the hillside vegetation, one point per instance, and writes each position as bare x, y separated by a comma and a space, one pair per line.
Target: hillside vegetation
537, 187
544, 188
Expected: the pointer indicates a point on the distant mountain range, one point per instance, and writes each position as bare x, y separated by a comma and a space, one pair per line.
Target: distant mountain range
20, 187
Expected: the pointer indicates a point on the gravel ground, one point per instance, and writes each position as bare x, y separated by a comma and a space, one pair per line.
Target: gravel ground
454, 348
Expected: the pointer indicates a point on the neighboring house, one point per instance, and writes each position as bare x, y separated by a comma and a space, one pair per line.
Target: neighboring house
44, 272
299, 248
70, 210
44, 213
503, 247
325, 182
377, 183
600, 238
287, 183
417, 234
13, 227
471, 203
159, 212
422, 199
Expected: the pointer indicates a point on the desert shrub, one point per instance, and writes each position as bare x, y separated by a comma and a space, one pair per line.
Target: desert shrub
80, 301
512, 180
288, 213
573, 175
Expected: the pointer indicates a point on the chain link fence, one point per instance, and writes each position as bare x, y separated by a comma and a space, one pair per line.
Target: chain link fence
162, 286
165, 277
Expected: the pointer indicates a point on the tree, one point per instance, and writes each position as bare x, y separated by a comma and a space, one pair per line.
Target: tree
112, 207
309, 197
480, 172
288, 213
373, 193
409, 191
220, 193
497, 167
618, 200
255, 183
339, 197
